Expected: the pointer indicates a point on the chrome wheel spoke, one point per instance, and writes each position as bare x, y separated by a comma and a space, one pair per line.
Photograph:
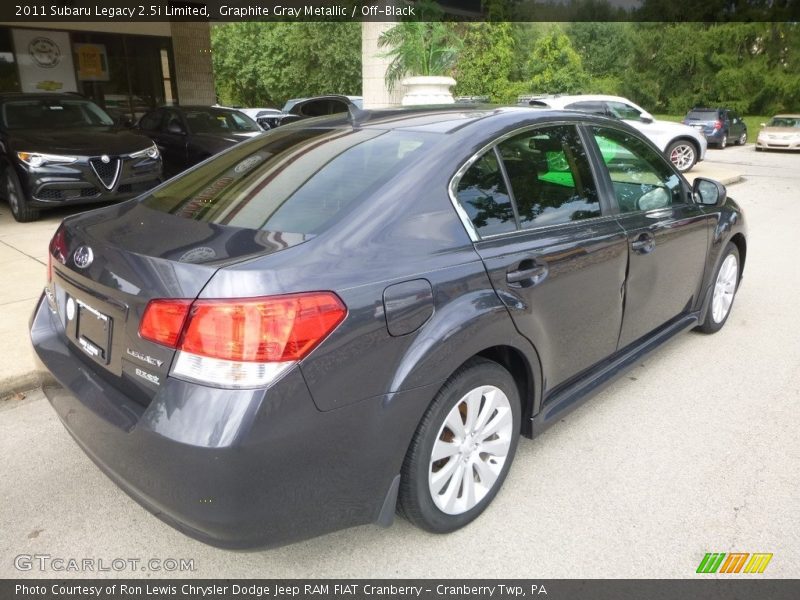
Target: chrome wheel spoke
465, 466
443, 449
439, 479
724, 288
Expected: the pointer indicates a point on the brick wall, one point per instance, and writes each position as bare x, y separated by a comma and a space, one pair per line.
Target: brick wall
194, 75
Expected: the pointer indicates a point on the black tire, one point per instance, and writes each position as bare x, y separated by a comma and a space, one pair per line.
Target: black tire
758, 149
712, 324
723, 142
415, 499
15, 196
682, 154
742, 139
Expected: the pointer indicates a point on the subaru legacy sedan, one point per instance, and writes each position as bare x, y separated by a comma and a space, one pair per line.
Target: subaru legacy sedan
353, 316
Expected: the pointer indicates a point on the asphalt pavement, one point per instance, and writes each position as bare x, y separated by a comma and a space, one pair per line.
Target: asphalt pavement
695, 450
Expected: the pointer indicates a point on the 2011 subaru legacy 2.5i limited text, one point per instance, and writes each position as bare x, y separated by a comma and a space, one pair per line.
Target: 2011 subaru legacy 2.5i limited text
357, 314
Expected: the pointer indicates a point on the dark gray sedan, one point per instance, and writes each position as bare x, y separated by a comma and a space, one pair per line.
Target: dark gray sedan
346, 317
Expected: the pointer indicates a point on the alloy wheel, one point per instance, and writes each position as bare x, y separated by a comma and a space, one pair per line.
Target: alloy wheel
682, 156
11, 194
470, 450
724, 288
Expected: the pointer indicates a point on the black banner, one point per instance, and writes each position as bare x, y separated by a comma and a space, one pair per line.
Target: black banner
733, 588
66, 11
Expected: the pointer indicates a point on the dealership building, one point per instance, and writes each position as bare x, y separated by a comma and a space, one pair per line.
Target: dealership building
125, 67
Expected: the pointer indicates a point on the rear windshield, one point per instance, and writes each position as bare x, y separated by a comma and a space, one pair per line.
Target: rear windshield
703, 115
291, 180
53, 113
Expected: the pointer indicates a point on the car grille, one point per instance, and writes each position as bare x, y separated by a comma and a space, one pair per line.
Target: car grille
69, 194
107, 172
136, 188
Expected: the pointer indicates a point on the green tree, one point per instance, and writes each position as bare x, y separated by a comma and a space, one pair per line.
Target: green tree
265, 64
484, 64
555, 67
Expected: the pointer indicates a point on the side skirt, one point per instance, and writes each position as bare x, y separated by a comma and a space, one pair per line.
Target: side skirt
569, 397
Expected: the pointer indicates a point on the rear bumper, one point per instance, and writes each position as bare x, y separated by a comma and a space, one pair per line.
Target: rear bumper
238, 469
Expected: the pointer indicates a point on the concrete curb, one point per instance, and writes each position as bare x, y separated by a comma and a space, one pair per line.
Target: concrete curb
24, 382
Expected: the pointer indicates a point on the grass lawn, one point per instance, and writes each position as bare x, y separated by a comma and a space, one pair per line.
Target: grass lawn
753, 123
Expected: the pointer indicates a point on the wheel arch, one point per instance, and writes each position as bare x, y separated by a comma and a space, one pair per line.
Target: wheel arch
740, 242
515, 362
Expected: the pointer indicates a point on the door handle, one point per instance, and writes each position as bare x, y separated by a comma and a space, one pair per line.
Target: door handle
644, 243
528, 274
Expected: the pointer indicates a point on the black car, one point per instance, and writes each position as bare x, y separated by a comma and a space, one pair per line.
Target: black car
347, 316
720, 126
58, 149
187, 135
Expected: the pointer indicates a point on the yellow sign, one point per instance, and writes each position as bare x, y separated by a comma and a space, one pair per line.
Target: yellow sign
92, 62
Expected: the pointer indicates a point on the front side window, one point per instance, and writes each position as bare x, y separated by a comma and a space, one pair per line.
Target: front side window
550, 178
211, 120
641, 177
623, 111
594, 107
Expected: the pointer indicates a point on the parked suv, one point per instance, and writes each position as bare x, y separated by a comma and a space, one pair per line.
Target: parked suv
683, 145
58, 149
720, 125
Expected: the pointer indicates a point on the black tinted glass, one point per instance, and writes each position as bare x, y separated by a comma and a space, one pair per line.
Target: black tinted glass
291, 180
53, 113
703, 115
483, 195
642, 178
550, 176
218, 121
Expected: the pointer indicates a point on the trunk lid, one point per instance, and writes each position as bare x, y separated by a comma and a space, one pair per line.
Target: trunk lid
113, 261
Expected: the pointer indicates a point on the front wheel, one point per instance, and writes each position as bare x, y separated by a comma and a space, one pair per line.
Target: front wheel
462, 449
15, 196
726, 282
724, 142
682, 154
742, 139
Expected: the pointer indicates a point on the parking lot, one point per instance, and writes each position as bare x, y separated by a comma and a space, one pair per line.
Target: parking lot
693, 451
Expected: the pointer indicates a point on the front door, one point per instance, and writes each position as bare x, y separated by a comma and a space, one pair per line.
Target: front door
556, 258
667, 233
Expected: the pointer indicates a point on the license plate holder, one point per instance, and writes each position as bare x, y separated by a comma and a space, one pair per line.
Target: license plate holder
93, 331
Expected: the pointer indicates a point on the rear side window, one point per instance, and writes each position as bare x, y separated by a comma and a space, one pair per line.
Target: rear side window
593, 107
291, 180
482, 193
547, 173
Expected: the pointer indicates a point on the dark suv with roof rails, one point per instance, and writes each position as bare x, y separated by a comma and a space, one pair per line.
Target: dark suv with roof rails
59, 149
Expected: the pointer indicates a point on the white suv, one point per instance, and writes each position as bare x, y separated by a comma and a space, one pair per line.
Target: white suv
683, 145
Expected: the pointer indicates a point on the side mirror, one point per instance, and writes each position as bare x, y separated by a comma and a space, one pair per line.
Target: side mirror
709, 192
175, 127
646, 117
124, 121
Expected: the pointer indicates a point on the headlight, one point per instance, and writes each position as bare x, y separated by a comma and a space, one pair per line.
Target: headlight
151, 152
37, 159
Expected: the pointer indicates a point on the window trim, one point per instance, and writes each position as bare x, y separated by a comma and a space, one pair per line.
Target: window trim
452, 188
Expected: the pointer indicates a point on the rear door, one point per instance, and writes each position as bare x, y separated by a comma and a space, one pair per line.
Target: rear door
667, 233
555, 256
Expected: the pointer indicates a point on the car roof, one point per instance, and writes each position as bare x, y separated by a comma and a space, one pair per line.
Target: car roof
560, 99
452, 118
788, 116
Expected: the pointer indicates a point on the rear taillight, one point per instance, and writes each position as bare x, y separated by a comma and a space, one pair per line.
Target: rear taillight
57, 250
163, 320
717, 124
243, 342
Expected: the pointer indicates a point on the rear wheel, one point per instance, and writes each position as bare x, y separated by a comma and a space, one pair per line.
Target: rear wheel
462, 449
726, 282
723, 142
12, 189
682, 154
